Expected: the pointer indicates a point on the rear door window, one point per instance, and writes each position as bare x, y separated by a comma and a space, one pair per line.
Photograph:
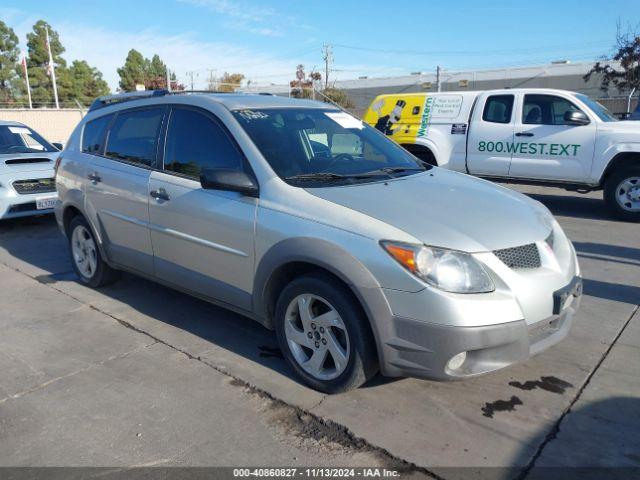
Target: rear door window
498, 109
133, 136
93, 135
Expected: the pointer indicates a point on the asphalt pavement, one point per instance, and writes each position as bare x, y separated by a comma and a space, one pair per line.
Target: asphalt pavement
136, 374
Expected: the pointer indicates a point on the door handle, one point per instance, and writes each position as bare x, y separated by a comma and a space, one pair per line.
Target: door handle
94, 177
160, 194
524, 134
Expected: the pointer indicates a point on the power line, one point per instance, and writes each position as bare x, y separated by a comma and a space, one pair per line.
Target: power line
516, 51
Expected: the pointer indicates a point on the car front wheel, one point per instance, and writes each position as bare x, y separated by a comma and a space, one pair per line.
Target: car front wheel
324, 334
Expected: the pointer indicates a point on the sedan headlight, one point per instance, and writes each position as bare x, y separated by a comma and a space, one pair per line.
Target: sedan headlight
448, 270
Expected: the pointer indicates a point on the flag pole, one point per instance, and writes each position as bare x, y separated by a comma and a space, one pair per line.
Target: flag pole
26, 76
52, 70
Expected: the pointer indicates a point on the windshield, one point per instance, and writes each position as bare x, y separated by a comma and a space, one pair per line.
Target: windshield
19, 139
602, 113
314, 146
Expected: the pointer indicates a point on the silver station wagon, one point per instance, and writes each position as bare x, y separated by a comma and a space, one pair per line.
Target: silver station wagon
298, 215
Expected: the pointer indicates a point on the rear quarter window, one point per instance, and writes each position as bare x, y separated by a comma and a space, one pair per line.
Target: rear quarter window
93, 134
134, 134
498, 109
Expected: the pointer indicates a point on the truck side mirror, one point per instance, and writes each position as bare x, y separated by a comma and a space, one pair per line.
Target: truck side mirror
229, 180
576, 117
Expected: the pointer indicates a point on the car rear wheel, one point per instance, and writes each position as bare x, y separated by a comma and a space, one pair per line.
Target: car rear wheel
622, 193
324, 334
86, 259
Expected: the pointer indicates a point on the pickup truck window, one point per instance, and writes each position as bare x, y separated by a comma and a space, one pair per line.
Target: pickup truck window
546, 110
498, 109
602, 113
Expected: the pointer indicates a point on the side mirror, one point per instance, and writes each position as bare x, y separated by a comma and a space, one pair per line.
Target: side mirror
229, 180
576, 117
58, 145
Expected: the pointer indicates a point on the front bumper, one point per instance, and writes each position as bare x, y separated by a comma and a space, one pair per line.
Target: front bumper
14, 204
421, 349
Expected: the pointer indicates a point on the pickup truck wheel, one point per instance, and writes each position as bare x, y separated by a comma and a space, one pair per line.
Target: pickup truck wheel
323, 334
622, 193
86, 259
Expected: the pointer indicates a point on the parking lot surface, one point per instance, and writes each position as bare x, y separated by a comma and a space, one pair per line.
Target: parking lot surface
136, 374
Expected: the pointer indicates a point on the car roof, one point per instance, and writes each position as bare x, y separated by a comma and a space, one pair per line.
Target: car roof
231, 101
11, 123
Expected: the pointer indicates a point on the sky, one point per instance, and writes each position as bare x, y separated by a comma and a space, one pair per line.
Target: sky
265, 40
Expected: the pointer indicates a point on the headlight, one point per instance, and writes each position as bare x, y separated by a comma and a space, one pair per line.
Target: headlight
448, 270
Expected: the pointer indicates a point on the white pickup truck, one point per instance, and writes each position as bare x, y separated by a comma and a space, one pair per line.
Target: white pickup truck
538, 136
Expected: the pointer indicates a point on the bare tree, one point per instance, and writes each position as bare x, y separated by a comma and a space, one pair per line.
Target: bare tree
627, 76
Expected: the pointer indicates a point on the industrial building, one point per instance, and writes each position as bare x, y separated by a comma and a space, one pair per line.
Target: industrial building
561, 75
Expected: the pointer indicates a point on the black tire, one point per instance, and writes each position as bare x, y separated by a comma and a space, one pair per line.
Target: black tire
103, 273
362, 361
611, 187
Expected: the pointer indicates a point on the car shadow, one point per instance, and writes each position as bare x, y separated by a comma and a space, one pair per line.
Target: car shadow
38, 242
577, 206
593, 442
611, 253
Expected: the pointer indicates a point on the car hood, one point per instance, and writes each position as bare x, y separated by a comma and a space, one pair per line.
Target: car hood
448, 209
24, 162
624, 126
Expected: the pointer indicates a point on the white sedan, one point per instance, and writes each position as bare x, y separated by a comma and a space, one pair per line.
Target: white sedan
27, 183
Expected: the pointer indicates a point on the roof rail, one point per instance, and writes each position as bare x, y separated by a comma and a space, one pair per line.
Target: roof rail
107, 100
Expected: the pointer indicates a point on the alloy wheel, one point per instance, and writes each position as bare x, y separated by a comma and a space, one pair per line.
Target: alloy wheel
83, 248
317, 337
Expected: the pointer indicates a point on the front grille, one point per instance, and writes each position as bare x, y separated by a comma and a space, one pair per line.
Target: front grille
525, 256
38, 185
23, 207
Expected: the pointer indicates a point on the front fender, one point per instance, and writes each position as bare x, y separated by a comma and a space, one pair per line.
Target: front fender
333, 259
606, 160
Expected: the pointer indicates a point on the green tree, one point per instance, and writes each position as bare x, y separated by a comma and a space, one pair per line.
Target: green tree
85, 83
39, 78
10, 87
133, 72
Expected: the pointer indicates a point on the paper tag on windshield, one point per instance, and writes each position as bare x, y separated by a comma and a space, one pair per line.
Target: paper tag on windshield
20, 130
345, 120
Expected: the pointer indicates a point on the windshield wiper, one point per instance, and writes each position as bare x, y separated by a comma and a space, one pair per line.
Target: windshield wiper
391, 170
319, 176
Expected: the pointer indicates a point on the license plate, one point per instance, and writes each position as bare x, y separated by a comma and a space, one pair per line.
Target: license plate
46, 203
562, 298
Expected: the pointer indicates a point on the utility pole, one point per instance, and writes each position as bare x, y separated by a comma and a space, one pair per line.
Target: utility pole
212, 81
191, 74
327, 56
438, 70
168, 79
